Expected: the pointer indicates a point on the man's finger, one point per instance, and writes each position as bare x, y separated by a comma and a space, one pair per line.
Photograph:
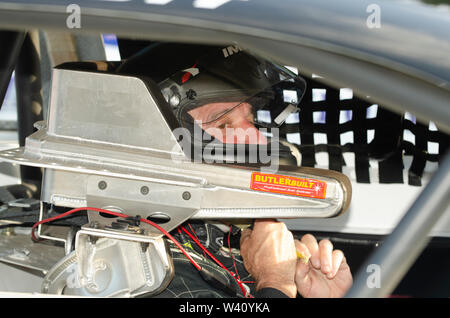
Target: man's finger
302, 269
303, 253
338, 258
302, 275
326, 261
264, 224
244, 235
344, 265
311, 243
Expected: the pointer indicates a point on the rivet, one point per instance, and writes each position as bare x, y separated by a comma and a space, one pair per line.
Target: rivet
144, 190
102, 185
186, 195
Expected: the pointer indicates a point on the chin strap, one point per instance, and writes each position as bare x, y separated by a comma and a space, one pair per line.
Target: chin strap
294, 151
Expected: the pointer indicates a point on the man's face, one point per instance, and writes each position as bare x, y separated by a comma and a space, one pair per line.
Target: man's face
229, 124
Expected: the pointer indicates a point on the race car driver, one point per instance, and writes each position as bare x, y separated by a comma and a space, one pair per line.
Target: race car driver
237, 98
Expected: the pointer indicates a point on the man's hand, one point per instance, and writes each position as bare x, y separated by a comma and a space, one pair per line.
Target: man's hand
327, 273
269, 256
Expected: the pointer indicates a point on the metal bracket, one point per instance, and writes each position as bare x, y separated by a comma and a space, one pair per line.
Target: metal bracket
109, 263
168, 205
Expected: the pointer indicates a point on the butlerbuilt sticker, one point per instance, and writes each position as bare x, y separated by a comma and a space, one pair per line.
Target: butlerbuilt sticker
275, 183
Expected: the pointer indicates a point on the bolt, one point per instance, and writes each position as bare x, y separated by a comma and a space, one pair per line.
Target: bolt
186, 195
144, 247
92, 239
102, 185
94, 225
144, 190
191, 94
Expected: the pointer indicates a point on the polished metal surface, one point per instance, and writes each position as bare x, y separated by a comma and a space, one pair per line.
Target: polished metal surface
402, 64
17, 248
110, 129
101, 266
340, 26
107, 108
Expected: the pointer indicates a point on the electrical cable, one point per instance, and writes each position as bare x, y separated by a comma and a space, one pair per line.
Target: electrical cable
232, 257
244, 291
204, 254
231, 253
122, 215
33, 228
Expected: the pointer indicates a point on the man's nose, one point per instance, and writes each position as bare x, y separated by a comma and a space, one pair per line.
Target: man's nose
247, 133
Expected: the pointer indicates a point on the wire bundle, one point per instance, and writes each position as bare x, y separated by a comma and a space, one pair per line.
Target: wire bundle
167, 234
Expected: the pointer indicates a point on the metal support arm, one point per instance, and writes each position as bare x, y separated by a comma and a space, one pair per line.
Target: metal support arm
400, 250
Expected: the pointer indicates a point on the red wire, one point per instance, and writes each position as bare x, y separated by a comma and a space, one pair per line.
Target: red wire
204, 254
119, 215
244, 291
231, 254
196, 265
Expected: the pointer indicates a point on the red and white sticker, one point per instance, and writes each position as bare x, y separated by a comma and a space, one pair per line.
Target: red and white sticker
275, 183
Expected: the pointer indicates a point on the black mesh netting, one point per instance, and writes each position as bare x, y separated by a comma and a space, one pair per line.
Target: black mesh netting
346, 123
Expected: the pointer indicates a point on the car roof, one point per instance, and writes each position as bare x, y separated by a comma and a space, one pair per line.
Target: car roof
396, 52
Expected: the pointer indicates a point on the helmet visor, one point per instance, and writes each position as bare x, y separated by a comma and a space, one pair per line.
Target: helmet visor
238, 91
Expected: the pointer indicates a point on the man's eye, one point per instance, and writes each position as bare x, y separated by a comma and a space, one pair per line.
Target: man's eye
224, 124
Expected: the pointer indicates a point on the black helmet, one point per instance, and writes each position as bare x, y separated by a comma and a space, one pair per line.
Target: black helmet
219, 89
